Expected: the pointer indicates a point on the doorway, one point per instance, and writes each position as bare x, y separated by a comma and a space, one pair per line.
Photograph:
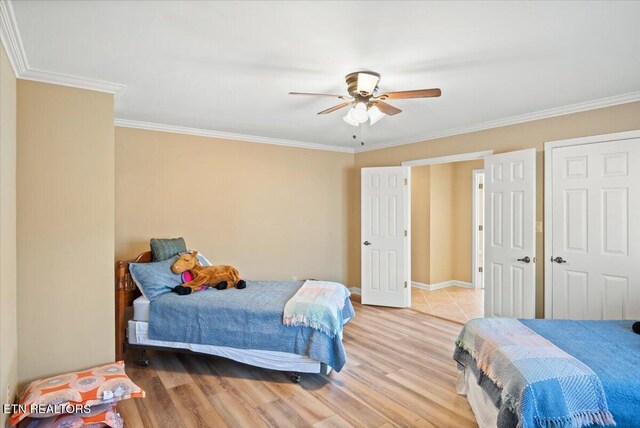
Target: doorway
508, 236
446, 220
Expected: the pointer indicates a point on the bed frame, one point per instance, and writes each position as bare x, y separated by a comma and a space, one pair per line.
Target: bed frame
126, 292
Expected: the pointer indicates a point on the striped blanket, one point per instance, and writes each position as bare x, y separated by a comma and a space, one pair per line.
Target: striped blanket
540, 383
318, 305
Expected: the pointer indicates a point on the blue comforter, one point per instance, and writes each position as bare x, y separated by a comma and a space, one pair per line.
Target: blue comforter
612, 350
247, 319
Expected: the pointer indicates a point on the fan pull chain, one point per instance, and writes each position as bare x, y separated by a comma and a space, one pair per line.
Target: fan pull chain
362, 135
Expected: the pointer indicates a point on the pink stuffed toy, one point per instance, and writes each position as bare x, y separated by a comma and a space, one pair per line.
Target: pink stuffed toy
187, 276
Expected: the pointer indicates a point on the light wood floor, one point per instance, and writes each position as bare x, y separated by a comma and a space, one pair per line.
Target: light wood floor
458, 304
399, 373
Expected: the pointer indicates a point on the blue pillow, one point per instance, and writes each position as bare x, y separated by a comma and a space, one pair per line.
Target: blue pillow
155, 279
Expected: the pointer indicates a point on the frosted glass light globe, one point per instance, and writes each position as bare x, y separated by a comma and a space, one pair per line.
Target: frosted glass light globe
359, 113
349, 119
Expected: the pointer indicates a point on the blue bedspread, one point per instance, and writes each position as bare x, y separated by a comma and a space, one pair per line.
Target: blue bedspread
247, 319
612, 350
543, 385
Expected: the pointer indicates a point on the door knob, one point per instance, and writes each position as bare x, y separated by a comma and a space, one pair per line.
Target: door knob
367, 243
525, 259
558, 260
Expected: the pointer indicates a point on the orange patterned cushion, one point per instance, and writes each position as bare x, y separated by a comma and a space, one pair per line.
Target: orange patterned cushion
100, 385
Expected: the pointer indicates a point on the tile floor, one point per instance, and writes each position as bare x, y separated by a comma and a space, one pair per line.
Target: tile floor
454, 303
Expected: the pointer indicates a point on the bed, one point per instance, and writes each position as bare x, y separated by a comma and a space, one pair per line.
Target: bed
609, 350
241, 325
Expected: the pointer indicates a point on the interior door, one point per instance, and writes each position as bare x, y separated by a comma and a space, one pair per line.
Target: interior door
596, 232
510, 244
385, 236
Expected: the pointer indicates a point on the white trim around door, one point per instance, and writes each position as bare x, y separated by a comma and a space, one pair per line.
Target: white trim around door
548, 201
476, 181
447, 159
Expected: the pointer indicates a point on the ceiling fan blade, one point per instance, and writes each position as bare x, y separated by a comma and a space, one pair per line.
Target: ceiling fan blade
342, 97
334, 108
418, 93
387, 109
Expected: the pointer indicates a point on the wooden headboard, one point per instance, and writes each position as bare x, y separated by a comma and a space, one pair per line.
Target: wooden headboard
126, 293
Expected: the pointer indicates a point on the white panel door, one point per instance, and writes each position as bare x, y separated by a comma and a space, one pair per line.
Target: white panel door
596, 231
385, 237
510, 244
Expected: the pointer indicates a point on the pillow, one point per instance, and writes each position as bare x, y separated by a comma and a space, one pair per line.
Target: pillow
99, 385
162, 249
155, 279
104, 415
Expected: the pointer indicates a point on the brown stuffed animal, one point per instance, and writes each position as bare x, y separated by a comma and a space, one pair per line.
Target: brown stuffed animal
220, 277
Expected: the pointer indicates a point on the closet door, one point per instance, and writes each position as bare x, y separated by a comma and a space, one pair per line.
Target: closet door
596, 231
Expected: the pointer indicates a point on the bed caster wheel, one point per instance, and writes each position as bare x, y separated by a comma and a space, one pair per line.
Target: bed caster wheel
143, 361
295, 378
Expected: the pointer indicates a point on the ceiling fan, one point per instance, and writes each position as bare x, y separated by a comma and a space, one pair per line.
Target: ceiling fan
367, 103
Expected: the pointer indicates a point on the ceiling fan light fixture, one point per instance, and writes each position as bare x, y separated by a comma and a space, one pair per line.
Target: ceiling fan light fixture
375, 114
350, 120
359, 113
367, 83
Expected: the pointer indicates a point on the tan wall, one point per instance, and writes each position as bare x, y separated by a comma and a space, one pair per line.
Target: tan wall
441, 223
420, 224
521, 136
462, 218
65, 229
274, 212
8, 292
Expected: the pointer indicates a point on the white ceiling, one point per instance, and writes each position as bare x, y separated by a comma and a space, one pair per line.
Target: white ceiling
228, 66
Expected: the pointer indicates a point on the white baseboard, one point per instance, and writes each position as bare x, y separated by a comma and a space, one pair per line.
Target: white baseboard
422, 286
430, 287
439, 285
462, 284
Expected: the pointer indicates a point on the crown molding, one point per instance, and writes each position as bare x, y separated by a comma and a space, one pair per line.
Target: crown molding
10, 36
12, 42
125, 123
542, 114
74, 81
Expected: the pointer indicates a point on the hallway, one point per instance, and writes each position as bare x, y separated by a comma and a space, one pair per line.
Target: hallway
454, 303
